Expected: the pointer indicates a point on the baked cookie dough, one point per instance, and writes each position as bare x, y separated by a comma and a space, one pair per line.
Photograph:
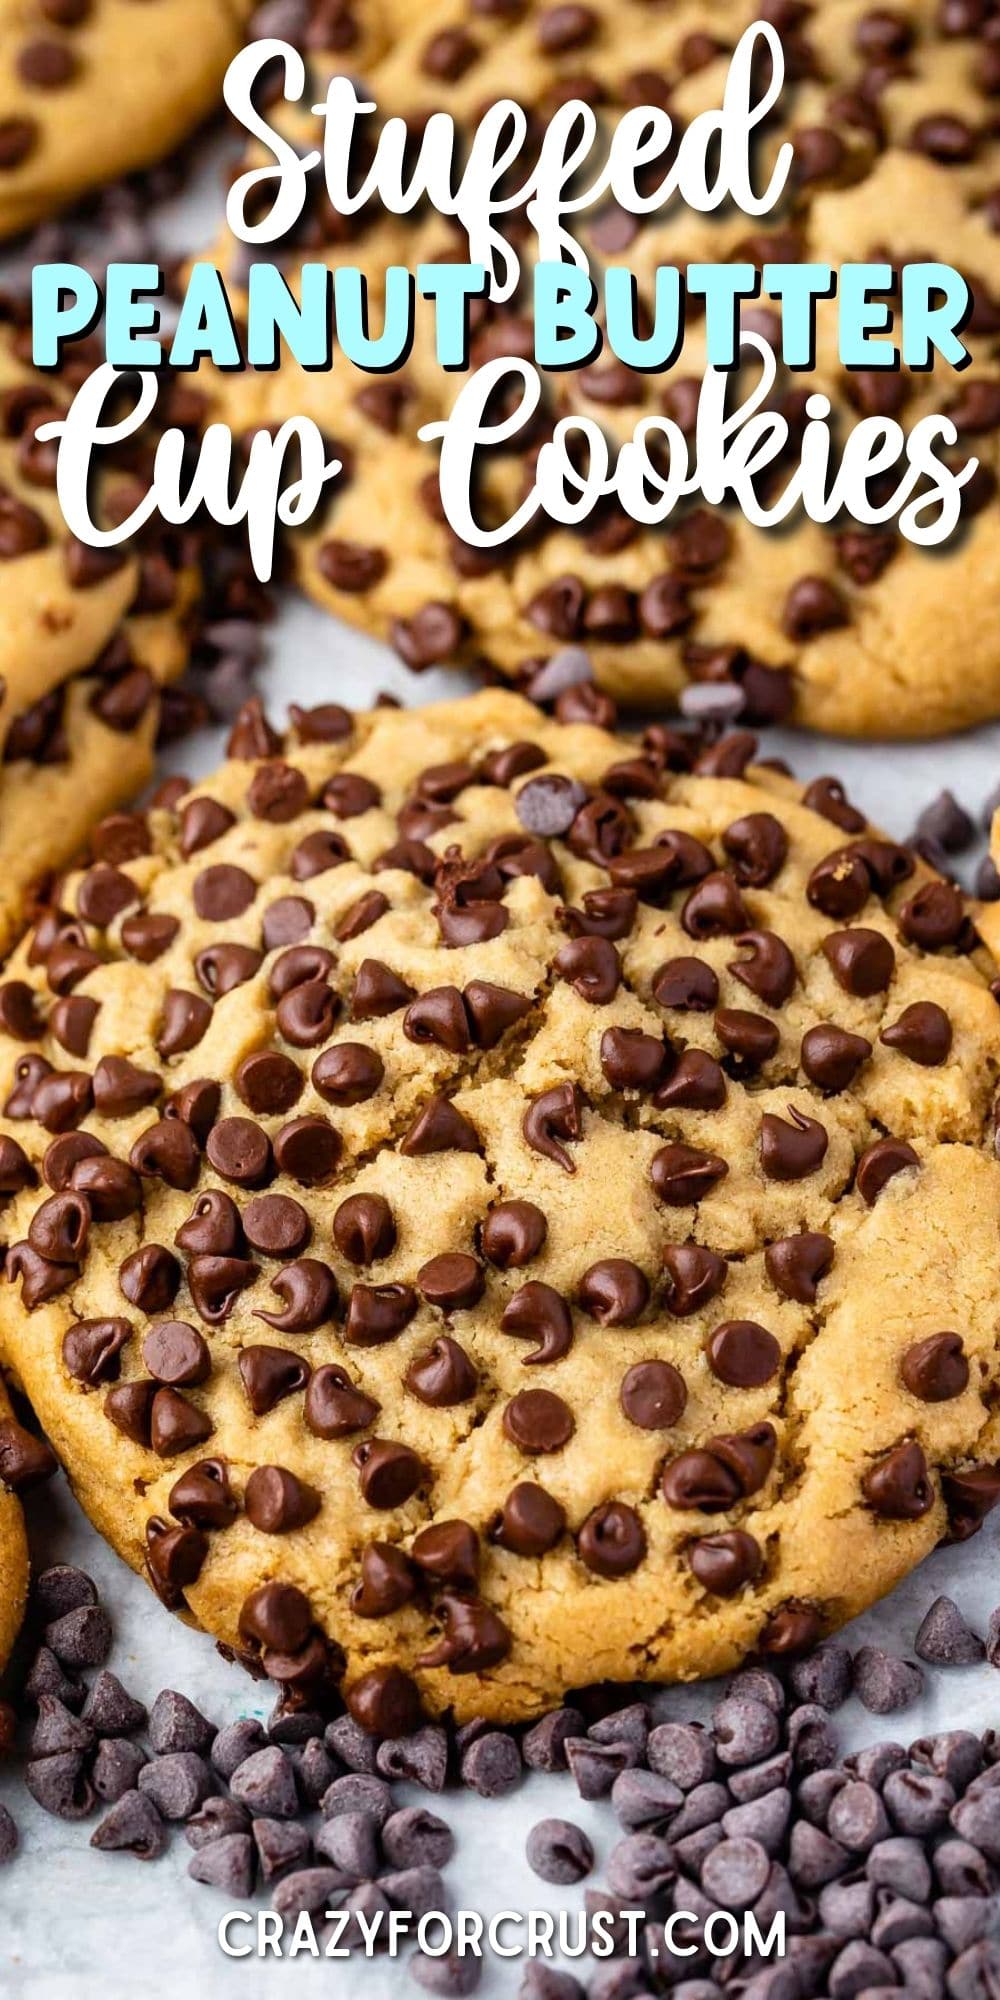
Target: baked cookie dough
93, 89
87, 639
13, 1544
892, 116
491, 1209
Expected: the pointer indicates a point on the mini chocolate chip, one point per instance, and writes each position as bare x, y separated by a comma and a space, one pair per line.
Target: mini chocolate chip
448, 1553
751, 1039
686, 983
552, 1118
222, 892
378, 1313
334, 1407
268, 1084
287, 921
452, 1282
277, 1616
683, 1175
898, 1485
714, 907
349, 1073
363, 1228
769, 970
615, 1292
276, 1501
474, 1639
743, 1354
388, 1473
632, 1060
725, 1563
202, 821
541, 1315
792, 1148
92, 1350
150, 1278
184, 1023
240, 1151
922, 1032
269, 1374
308, 1150
441, 1375
531, 1522
796, 1265
308, 1290
440, 1128
176, 1354
695, 1083
273, 1224
225, 967
538, 1421
694, 1276
831, 1056
712, 1478
202, 1497
934, 917
377, 991
513, 1233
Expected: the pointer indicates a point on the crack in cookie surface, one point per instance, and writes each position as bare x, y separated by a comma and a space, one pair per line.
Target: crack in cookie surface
490, 1206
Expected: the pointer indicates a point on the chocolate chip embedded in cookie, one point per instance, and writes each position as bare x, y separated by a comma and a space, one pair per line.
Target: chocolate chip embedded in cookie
88, 641
433, 1308
896, 160
24, 1462
95, 90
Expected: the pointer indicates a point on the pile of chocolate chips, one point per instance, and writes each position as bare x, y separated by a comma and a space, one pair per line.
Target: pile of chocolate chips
885, 1863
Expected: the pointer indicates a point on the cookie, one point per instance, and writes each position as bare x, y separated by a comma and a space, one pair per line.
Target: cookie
13, 1545
839, 628
87, 639
491, 1208
94, 89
